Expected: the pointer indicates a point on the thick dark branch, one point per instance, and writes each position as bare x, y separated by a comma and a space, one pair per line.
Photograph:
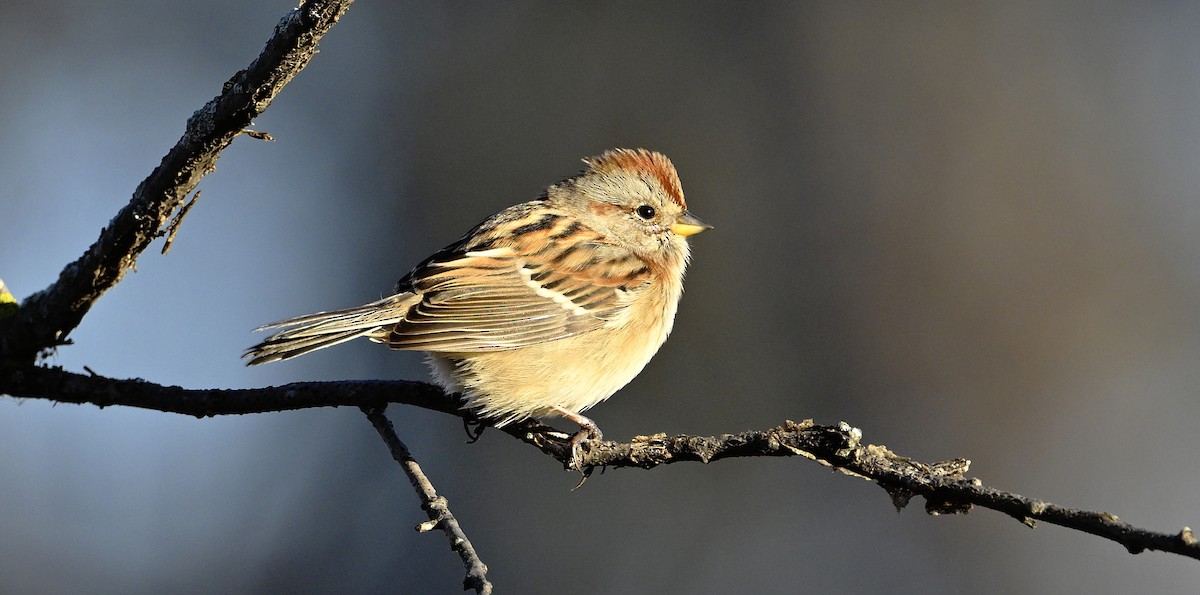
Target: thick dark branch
943, 485
435, 506
47, 317
39, 382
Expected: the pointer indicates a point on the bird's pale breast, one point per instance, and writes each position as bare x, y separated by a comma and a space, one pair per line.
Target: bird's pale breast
573, 373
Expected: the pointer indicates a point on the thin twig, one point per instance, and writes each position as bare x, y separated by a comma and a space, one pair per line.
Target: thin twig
944, 485
258, 134
173, 227
435, 506
47, 317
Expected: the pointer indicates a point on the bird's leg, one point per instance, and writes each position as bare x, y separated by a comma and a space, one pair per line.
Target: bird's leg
588, 430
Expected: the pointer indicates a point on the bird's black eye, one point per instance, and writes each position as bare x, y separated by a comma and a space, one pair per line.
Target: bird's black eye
645, 212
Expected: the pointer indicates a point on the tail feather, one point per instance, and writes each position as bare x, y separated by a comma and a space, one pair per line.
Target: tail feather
311, 332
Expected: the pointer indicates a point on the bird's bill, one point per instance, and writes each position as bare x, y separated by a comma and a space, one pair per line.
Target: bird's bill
689, 224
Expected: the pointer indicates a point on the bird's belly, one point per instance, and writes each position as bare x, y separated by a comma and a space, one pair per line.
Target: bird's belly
574, 373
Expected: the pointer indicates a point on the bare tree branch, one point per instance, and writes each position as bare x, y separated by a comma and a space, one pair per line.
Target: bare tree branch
68, 387
943, 485
435, 506
46, 318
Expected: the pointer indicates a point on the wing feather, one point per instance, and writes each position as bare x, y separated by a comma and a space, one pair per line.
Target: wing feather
551, 278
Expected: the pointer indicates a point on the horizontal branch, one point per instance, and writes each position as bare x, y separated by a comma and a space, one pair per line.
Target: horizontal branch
944, 486
44, 382
47, 317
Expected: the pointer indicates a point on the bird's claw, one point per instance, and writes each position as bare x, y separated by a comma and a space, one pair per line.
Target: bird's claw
587, 432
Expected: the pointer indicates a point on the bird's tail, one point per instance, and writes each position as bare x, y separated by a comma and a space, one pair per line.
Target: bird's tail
311, 332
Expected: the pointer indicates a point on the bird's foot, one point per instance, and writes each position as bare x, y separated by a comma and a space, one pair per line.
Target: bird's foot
588, 430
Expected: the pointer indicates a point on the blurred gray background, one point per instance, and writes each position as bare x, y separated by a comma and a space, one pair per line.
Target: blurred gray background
968, 229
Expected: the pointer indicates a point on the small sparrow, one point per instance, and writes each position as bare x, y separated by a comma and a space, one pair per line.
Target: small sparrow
546, 308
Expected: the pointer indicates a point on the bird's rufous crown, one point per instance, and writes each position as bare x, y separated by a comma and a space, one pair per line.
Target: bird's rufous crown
643, 162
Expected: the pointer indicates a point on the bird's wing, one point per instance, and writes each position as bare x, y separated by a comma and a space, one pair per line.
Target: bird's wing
549, 279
